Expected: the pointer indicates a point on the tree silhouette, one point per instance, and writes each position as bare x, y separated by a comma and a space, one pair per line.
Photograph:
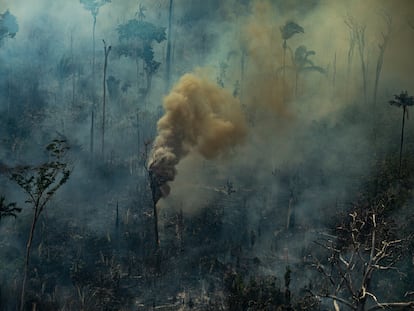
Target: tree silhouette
382, 46
288, 31
168, 55
141, 12
303, 64
366, 245
8, 209
8, 26
404, 101
93, 6
357, 31
136, 39
107, 50
40, 183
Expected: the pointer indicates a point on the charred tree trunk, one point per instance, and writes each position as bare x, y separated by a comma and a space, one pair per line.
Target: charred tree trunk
156, 196
92, 130
402, 138
168, 56
72, 69
27, 259
106, 51
284, 70
156, 235
361, 48
334, 73
149, 84
93, 47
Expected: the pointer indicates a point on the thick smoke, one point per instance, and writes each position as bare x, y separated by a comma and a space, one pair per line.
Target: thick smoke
199, 116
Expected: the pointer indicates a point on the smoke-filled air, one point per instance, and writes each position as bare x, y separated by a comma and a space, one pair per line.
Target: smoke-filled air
240, 155
199, 117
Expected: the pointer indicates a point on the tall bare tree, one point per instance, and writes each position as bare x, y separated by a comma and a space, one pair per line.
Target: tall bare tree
107, 49
358, 36
382, 46
93, 6
365, 245
168, 56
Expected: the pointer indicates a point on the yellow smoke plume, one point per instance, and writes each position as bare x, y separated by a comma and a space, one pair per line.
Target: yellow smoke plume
199, 116
263, 85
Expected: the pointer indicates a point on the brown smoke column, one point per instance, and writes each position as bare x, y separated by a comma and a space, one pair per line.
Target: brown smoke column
199, 116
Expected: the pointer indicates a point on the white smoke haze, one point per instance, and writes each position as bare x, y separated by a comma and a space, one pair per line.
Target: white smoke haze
277, 127
234, 134
277, 130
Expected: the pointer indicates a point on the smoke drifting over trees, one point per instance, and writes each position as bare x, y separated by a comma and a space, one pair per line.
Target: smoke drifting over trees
200, 117
245, 130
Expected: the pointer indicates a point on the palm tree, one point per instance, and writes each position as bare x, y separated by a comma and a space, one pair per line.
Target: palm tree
404, 101
288, 31
303, 64
93, 6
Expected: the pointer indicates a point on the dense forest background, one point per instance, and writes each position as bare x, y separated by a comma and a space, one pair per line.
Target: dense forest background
206, 155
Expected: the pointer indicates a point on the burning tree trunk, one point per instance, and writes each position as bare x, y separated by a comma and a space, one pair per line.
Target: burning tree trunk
199, 117
155, 185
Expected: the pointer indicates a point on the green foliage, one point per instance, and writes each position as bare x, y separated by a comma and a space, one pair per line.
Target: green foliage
8, 26
145, 31
94, 5
151, 66
136, 38
8, 209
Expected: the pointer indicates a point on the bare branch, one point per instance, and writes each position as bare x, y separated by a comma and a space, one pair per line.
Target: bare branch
392, 305
339, 299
